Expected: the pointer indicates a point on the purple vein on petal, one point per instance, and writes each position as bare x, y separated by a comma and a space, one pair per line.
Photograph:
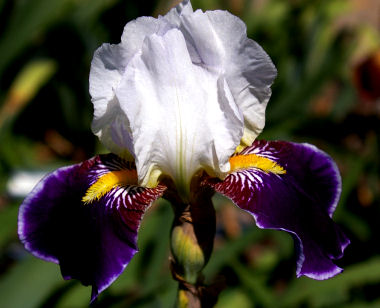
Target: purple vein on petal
300, 201
91, 242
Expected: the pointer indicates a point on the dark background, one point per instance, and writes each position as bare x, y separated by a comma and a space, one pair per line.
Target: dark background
327, 93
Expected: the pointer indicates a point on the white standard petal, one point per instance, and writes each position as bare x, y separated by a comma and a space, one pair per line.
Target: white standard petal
182, 117
174, 15
249, 70
107, 68
220, 42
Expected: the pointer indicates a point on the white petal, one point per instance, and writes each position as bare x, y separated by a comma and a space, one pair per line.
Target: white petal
134, 34
161, 93
249, 70
182, 116
112, 128
221, 44
106, 72
107, 68
174, 15
109, 62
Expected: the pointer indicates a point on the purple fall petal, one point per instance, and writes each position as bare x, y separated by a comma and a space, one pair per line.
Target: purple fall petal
300, 202
91, 242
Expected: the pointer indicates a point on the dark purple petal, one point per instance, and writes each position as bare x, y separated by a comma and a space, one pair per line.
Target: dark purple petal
91, 242
300, 202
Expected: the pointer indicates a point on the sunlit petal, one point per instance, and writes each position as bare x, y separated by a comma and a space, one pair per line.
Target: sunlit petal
218, 40
212, 73
107, 68
182, 116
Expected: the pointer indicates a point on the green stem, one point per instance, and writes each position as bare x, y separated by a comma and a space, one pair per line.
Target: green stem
191, 243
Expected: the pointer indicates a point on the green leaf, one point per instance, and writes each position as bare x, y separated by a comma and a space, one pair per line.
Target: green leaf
78, 296
334, 289
255, 285
229, 251
29, 283
28, 20
233, 298
8, 224
27, 83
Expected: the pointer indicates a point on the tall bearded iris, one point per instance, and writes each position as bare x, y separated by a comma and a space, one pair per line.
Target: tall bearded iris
179, 103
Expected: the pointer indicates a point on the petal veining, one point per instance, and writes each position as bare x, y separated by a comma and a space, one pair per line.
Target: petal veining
300, 201
109, 181
91, 242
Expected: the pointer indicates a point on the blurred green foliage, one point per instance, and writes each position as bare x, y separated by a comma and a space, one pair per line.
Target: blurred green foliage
46, 48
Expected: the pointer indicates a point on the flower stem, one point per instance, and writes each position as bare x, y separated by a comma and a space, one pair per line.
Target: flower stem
192, 238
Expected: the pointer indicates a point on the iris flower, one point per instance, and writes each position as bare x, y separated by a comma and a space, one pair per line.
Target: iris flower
179, 103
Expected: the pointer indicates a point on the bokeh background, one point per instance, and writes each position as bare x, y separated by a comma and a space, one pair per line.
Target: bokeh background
327, 93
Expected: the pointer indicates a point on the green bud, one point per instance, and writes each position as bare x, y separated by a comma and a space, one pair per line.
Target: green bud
188, 254
191, 242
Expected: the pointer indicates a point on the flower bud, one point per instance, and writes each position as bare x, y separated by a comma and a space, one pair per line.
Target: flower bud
192, 237
188, 254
